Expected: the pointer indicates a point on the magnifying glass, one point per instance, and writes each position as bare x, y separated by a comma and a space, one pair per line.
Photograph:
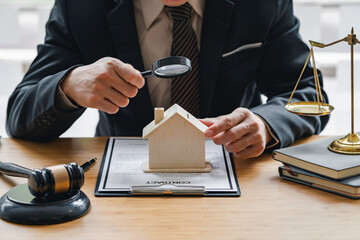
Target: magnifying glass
169, 67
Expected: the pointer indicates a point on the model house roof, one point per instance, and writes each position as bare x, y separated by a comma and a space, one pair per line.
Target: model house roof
174, 110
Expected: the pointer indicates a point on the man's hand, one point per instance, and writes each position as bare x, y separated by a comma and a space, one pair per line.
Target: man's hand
106, 84
241, 132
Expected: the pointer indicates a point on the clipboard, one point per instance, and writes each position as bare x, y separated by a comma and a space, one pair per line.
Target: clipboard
120, 174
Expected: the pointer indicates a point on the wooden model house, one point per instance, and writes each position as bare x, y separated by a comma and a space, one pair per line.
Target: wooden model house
176, 142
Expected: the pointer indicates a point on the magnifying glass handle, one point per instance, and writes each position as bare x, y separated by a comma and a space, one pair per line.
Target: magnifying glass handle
147, 73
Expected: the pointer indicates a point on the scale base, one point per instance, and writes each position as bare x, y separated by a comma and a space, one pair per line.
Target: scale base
19, 206
350, 144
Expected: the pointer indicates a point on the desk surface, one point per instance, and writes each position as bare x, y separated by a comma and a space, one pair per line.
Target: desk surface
269, 208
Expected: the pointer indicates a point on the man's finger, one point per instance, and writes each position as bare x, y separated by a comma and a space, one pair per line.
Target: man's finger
230, 135
240, 144
128, 73
107, 106
124, 87
116, 97
226, 122
249, 152
246, 127
208, 121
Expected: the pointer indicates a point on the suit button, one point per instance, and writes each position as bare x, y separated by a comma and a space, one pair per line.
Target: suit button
46, 122
51, 118
42, 125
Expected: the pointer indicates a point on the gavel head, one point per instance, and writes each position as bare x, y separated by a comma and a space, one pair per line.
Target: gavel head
56, 180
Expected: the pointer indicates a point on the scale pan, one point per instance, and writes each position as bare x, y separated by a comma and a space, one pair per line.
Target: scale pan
309, 108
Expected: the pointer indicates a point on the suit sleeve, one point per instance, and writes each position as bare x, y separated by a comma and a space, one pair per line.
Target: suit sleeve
283, 59
32, 112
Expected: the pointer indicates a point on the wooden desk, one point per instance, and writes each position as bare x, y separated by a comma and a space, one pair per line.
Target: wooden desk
269, 208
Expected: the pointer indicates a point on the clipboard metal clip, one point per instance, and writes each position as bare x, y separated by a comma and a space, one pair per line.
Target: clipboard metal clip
167, 189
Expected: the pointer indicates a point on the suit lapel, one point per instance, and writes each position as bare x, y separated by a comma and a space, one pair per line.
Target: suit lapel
217, 16
121, 21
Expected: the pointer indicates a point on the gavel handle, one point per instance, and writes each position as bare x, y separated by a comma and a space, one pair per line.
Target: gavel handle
12, 169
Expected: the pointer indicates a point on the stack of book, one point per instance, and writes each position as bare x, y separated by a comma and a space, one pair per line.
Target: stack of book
314, 165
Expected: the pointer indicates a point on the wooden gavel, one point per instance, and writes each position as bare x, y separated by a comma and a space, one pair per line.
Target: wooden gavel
50, 181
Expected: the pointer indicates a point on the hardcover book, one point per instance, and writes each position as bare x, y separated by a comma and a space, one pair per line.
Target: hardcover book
317, 158
349, 187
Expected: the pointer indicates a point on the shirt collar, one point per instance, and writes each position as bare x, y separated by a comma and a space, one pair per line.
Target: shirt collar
152, 8
198, 6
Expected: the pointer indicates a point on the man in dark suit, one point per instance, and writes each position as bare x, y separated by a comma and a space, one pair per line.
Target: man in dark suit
94, 50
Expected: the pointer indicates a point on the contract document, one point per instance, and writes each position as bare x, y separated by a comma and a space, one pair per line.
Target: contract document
121, 173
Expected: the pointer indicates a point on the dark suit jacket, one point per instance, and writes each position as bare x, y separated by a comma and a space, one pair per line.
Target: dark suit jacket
83, 31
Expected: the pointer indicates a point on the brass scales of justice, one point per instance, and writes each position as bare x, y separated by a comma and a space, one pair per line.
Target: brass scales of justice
350, 144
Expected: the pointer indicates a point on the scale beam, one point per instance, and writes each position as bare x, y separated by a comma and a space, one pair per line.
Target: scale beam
323, 45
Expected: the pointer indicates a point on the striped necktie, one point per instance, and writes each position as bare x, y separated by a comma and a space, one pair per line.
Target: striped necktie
185, 89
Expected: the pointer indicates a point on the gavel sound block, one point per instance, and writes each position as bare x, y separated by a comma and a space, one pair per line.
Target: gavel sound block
52, 194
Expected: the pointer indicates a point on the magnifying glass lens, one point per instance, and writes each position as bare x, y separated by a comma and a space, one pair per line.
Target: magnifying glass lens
173, 69
169, 67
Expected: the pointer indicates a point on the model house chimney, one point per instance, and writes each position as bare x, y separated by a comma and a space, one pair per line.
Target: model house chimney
159, 115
